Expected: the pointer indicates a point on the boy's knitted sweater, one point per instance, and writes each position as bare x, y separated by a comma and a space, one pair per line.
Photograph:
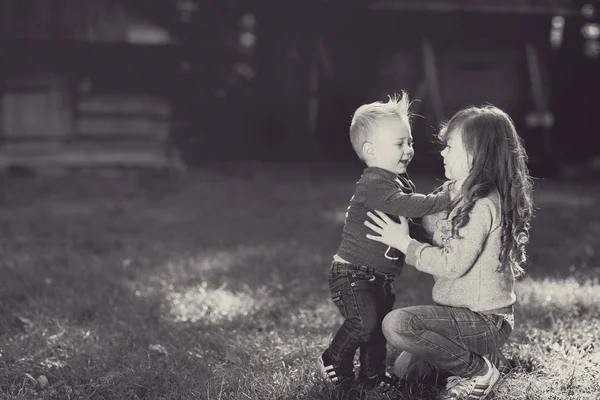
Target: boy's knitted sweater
465, 269
382, 190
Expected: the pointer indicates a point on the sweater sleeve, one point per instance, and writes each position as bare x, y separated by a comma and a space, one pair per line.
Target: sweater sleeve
383, 195
458, 254
429, 222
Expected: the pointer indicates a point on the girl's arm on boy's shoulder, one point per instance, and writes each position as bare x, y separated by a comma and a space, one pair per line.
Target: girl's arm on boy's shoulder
383, 195
458, 254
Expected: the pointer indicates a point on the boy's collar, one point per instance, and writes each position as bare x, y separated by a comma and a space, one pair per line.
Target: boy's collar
386, 173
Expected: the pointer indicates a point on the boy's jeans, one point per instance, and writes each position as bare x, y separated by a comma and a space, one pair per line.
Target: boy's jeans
364, 296
451, 339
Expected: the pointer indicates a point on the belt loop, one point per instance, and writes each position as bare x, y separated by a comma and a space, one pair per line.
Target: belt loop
335, 267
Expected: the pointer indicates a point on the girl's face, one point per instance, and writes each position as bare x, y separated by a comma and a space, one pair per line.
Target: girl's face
457, 162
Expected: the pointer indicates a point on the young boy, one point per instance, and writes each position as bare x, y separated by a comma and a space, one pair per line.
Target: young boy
363, 270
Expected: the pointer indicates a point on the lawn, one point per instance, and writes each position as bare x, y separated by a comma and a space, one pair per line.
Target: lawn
213, 286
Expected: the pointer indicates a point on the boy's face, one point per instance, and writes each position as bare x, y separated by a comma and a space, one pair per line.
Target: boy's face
391, 146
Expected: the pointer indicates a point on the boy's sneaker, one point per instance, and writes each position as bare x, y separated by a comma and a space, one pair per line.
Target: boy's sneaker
477, 387
384, 382
331, 372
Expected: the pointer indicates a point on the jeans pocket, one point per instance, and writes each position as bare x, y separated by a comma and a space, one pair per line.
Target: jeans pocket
339, 281
357, 277
500, 329
476, 342
339, 303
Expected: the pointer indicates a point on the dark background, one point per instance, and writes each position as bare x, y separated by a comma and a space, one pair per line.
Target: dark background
210, 280
167, 83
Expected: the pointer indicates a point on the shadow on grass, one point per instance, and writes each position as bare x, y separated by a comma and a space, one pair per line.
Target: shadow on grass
93, 272
215, 283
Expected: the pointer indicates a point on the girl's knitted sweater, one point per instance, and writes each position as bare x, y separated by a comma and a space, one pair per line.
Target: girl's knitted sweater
466, 269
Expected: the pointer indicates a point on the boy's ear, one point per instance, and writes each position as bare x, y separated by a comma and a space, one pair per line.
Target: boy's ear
367, 150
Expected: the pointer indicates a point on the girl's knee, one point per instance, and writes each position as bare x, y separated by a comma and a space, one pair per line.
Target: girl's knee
398, 325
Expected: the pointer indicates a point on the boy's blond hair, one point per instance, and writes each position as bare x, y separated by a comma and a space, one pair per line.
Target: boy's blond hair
366, 116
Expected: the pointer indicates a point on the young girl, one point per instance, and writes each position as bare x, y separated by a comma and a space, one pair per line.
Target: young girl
476, 253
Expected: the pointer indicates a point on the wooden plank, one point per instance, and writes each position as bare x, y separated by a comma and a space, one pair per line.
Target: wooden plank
31, 148
535, 77
95, 157
517, 7
35, 103
88, 114
432, 79
539, 96
37, 148
117, 138
120, 138
137, 126
90, 159
120, 103
43, 79
21, 88
43, 113
313, 99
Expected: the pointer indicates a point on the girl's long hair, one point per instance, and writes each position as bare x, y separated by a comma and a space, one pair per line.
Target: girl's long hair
499, 162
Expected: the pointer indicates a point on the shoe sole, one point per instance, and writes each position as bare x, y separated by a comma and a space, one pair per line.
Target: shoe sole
493, 383
325, 373
490, 386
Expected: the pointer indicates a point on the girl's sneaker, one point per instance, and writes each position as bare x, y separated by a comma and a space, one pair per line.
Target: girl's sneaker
477, 387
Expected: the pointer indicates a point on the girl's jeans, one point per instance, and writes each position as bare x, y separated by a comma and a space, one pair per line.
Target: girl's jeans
363, 296
450, 338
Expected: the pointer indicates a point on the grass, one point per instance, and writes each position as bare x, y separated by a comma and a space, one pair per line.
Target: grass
213, 286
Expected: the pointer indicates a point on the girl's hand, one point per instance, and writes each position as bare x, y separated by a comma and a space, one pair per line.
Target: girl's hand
391, 233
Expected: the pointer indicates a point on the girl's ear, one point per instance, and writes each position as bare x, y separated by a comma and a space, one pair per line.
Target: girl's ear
470, 158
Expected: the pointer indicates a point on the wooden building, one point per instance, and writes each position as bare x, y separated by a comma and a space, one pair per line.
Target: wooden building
315, 66
131, 82
85, 84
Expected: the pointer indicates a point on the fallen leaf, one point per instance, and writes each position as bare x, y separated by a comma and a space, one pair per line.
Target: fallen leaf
158, 349
24, 323
42, 381
56, 336
31, 378
53, 362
